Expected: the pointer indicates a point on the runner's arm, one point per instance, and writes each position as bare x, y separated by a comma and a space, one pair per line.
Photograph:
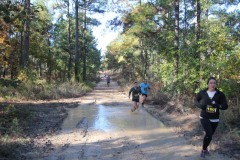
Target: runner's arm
130, 92
200, 102
140, 91
223, 102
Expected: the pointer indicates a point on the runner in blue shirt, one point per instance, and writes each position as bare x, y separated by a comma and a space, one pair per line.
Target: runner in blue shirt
144, 89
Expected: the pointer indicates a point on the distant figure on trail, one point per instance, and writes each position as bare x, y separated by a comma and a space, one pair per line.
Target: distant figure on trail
135, 91
108, 80
210, 101
144, 90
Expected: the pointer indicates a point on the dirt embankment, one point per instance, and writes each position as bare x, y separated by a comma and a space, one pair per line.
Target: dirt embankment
35, 119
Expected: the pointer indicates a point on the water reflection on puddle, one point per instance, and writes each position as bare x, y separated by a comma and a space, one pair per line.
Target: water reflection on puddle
109, 118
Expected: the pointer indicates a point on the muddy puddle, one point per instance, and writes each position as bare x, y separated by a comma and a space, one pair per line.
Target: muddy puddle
111, 119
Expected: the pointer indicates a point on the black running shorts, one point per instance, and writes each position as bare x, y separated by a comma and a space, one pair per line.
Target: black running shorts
135, 100
144, 95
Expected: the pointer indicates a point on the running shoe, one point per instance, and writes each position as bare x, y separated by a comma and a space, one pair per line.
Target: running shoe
207, 153
203, 153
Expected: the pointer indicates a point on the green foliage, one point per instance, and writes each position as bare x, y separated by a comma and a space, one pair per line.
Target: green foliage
231, 87
8, 83
50, 53
217, 46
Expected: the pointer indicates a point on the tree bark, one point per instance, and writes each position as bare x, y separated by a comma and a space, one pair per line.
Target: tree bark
176, 43
197, 38
69, 43
77, 78
85, 42
197, 26
185, 22
26, 35
4, 72
21, 50
49, 63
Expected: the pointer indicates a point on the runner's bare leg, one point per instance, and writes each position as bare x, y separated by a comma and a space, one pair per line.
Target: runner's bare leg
143, 99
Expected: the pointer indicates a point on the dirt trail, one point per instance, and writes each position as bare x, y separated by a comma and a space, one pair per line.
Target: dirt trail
86, 143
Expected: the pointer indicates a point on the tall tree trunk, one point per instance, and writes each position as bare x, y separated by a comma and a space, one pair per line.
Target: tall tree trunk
69, 43
85, 42
49, 63
12, 71
21, 50
142, 57
146, 63
176, 43
184, 36
40, 68
4, 72
77, 78
197, 27
1, 69
197, 38
185, 22
26, 35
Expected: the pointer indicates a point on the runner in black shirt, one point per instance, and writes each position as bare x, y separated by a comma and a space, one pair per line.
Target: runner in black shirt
108, 80
210, 101
135, 91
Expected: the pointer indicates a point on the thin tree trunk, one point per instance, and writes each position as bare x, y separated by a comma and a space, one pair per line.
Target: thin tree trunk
76, 44
197, 27
64, 78
176, 43
21, 50
26, 35
146, 63
1, 71
40, 68
49, 63
184, 36
69, 43
12, 71
4, 72
197, 38
142, 58
85, 42
185, 22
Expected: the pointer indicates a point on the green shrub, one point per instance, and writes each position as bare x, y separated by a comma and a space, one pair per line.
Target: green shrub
14, 127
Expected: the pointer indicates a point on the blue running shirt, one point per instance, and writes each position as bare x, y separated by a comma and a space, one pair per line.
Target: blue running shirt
144, 87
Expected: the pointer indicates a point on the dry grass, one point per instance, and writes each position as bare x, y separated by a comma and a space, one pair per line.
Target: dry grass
41, 91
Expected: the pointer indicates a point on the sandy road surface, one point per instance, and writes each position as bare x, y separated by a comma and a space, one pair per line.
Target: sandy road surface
103, 128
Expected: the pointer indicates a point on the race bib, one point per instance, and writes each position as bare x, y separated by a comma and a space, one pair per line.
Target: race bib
211, 109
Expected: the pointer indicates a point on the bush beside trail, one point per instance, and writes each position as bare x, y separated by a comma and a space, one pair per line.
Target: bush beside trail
41, 90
